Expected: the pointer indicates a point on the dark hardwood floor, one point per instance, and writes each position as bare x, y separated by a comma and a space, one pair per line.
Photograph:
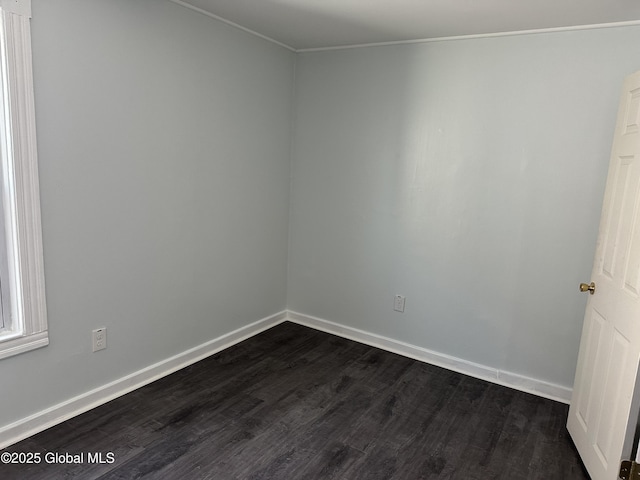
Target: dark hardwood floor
295, 403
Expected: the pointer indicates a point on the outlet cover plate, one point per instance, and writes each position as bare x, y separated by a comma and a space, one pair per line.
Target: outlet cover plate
398, 303
99, 339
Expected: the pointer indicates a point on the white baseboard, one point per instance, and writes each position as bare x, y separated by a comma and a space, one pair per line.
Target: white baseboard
507, 379
56, 414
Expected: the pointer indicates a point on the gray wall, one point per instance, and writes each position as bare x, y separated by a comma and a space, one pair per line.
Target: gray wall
467, 175
164, 156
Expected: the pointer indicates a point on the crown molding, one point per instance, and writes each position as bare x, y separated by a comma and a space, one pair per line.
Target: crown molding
596, 26
233, 24
476, 36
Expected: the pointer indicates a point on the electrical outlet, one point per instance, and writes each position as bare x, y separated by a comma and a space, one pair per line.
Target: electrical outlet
398, 303
99, 339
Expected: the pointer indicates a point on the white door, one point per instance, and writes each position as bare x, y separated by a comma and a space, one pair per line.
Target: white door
604, 409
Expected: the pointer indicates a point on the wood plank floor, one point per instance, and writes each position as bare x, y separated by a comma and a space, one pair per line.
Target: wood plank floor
295, 403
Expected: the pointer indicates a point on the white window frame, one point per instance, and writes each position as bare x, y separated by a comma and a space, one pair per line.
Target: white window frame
26, 325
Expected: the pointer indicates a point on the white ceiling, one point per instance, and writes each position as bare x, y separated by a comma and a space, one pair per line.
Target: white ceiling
304, 24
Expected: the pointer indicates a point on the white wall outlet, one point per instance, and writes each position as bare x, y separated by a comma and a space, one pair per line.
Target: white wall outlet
398, 303
99, 339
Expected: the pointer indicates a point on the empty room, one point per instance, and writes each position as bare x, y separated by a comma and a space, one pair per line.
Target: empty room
296, 239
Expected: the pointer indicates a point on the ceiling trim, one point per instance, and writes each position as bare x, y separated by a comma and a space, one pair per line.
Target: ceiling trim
479, 35
407, 42
233, 24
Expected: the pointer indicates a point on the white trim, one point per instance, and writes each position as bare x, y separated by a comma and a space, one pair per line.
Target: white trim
72, 407
516, 381
233, 24
56, 414
474, 36
536, 31
19, 7
21, 192
21, 344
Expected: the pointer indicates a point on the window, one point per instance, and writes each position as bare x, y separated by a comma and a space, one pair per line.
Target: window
23, 323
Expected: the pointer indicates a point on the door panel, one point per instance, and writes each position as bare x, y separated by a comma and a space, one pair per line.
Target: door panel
601, 419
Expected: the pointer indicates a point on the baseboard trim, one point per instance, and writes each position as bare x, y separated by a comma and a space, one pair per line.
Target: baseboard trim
500, 377
56, 414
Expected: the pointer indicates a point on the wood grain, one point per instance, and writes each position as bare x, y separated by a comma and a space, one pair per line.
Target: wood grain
295, 403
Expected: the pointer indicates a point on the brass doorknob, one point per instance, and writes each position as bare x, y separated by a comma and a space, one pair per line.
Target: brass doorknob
591, 288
